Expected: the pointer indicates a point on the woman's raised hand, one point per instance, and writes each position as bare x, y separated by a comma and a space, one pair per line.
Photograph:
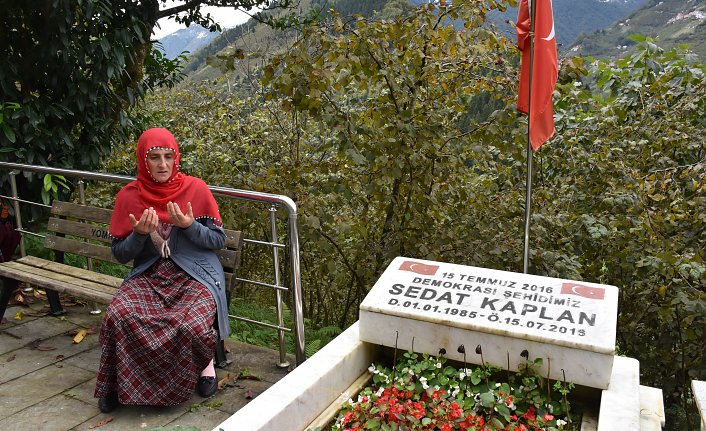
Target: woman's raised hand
178, 218
147, 222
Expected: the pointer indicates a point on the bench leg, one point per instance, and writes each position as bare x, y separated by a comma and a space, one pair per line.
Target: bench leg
8, 286
221, 360
55, 303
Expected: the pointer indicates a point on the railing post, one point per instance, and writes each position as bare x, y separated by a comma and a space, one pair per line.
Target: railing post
296, 287
16, 206
283, 363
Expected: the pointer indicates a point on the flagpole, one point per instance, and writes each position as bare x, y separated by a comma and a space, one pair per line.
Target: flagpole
528, 182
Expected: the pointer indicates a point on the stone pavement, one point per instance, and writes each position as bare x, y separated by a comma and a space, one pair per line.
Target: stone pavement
47, 380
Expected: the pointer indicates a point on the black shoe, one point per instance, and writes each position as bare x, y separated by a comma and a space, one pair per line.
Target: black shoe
207, 386
108, 403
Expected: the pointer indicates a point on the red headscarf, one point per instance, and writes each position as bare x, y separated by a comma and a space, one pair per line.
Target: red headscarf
145, 192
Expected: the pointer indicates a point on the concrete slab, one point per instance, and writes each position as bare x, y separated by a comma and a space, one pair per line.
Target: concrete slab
203, 419
88, 360
57, 413
134, 417
47, 326
9, 343
37, 355
37, 386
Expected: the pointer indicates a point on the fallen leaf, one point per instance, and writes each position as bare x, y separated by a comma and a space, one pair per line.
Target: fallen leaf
10, 358
19, 315
248, 394
226, 381
80, 336
36, 345
60, 357
101, 422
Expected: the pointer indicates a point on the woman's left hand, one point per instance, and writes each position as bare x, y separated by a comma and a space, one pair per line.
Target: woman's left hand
177, 217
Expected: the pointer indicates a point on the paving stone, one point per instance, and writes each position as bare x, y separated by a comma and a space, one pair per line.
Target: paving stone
232, 399
9, 343
45, 327
8, 320
89, 359
57, 413
202, 419
84, 392
38, 386
59, 383
135, 417
32, 357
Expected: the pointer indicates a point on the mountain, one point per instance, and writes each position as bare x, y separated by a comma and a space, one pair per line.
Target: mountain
571, 17
187, 39
672, 22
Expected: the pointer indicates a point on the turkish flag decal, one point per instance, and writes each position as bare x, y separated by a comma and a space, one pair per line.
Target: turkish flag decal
585, 291
419, 268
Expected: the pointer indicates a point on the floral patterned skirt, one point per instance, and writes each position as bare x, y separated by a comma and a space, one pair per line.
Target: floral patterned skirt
157, 337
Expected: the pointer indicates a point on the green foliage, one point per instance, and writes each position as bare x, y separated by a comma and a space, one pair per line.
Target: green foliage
622, 191
372, 128
258, 335
74, 70
393, 97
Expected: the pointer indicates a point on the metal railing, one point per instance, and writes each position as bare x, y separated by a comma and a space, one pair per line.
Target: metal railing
274, 201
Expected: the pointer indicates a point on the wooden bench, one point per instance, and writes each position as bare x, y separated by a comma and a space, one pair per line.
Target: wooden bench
83, 230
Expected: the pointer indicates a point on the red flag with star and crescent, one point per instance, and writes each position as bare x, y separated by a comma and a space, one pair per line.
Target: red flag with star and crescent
545, 69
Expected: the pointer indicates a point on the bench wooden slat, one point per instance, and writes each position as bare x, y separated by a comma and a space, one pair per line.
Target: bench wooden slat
84, 212
83, 230
59, 282
82, 273
80, 248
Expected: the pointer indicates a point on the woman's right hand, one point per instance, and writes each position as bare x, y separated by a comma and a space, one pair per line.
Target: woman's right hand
147, 222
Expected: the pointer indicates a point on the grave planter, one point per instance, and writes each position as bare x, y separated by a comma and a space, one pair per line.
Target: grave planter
424, 306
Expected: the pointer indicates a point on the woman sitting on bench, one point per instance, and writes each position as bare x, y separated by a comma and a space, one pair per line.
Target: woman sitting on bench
158, 334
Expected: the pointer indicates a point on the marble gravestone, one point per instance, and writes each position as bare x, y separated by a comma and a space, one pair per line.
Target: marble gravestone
424, 306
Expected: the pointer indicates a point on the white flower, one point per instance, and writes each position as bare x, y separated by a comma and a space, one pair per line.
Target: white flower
423, 380
461, 375
438, 365
372, 369
561, 422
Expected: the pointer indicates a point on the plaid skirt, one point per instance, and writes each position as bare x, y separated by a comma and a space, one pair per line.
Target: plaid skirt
157, 337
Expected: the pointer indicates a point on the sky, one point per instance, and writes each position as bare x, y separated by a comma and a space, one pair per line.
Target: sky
226, 17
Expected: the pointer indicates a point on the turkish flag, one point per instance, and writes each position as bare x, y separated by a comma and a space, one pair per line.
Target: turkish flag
581, 290
419, 268
545, 69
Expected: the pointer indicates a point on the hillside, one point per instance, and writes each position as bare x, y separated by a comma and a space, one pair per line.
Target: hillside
673, 22
574, 17
258, 42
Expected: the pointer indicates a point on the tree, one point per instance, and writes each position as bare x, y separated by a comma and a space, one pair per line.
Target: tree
73, 70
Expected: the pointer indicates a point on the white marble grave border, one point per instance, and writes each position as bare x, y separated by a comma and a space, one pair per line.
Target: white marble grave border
300, 397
